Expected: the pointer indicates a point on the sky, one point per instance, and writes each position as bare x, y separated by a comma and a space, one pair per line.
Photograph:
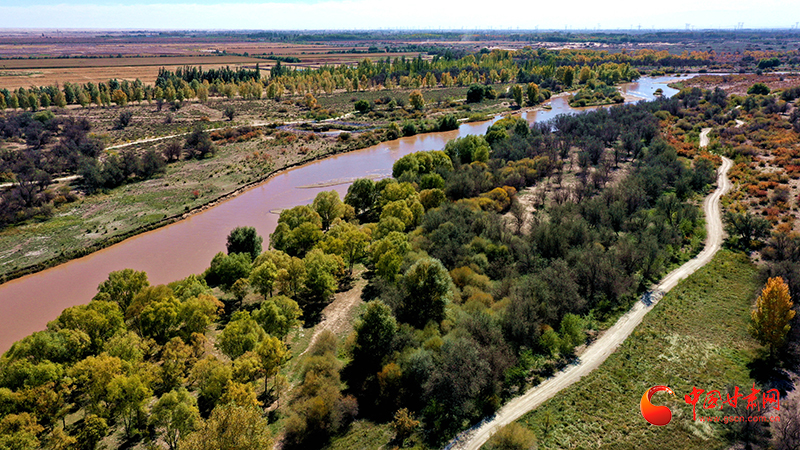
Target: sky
399, 14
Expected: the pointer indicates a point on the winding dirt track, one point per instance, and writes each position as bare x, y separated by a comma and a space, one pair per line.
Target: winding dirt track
596, 353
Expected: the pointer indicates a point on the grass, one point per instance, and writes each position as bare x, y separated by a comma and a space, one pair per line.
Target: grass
363, 434
695, 336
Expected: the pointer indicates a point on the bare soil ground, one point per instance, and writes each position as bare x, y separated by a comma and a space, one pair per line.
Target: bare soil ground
738, 84
338, 316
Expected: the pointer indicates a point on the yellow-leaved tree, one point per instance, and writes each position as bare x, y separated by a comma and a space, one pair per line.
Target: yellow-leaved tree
773, 314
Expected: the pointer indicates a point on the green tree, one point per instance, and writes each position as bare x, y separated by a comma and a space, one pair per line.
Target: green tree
374, 331
92, 430
99, 320
229, 112
121, 286
241, 335
416, 100
569, 75
263, 277
176, 357
361, 195
92, 376
240, 289
210, 376
273, 354
387, 254
329, 207
362, 106
428, 290
292, 277
468, 149
298, 231
747, 227
231, 427
348, 241
226, 269
758, 89
245, 240
771, 320
322, 273
278, 315
516, 92
128, 394
175, 415
19, 432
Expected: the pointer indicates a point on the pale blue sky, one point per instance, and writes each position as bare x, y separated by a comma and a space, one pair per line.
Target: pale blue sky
373, 14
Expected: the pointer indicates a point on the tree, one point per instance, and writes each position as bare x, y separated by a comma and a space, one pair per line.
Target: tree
227, 269
119, 97
348, 241
128, 394
516, 92
329, 207
239, 289
245, 240
404, 425
273, 354
19, 431
100, 320
569, 75
416, 100
198, 142
322, 273
475, 93
121, 286
210, 376
93, 375
123, 120
231, 427
772, 317
362, 106
310, 101
241, 335
512, 437
172, 151
263, 277
175, 415
747, 226
387, 254
375, 331
292, 277
429, 288
298, 231
468, 149
361, 195
758, 89
229, 112
278, 315
92, 430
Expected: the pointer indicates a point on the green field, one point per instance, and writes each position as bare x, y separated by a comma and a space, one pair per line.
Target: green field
695, 336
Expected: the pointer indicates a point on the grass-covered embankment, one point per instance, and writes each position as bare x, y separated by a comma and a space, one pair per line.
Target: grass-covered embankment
695, 336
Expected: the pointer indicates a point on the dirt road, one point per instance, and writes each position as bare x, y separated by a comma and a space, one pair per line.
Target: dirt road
596, 353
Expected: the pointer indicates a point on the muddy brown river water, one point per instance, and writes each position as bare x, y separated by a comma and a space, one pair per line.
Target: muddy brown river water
186, 247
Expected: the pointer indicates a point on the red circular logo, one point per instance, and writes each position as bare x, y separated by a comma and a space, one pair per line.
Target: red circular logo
655, 414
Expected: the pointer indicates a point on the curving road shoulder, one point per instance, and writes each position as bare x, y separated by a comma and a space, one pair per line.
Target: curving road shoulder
596, 353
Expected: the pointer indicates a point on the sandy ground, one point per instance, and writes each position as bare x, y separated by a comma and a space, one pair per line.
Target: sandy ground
337, 316
596, 353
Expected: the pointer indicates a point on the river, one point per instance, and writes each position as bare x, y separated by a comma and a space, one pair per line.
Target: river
175, 251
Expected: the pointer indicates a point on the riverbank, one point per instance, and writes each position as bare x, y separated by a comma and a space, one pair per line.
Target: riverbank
186, 188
